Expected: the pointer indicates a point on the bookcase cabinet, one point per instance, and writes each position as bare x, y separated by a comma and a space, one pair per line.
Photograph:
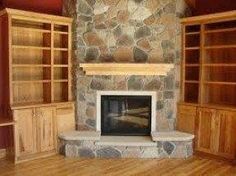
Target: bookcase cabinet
46, 66
35, 78
209, 82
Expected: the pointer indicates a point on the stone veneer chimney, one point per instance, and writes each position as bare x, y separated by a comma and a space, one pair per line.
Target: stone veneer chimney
130, 31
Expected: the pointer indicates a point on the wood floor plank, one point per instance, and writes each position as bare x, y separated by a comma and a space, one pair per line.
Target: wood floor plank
169, 165
60, 166
183, 168
34, 166
227, 171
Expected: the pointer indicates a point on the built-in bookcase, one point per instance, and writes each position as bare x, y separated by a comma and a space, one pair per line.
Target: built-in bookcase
40, 62
219, 63
209, 65
191, 63
35, 82
208, 105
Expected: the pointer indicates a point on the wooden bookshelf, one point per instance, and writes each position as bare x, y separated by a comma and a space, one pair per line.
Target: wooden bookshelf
191, 66
209, 83
192, 48
210, 63
29, 29
192, 33
233, 29
42, 39
35, 80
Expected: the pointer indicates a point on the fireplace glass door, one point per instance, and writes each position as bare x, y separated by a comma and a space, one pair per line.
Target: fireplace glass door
126, 115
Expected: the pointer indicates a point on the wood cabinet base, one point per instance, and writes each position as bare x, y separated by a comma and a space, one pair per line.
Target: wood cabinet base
36, 130
214, 129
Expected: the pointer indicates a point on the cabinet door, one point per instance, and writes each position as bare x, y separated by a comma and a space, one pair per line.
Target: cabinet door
205, 130
65, 119
226, 123
186, 118
46, 128
25, 132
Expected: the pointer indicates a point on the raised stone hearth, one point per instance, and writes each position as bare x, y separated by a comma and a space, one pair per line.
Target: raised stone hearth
90, 144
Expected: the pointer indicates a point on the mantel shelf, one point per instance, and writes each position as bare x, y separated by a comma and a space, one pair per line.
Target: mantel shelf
126, 69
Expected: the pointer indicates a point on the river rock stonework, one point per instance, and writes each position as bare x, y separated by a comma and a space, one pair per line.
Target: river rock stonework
89, 149
130, 31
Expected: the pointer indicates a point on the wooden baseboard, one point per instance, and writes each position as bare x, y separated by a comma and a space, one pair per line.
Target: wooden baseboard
3, 153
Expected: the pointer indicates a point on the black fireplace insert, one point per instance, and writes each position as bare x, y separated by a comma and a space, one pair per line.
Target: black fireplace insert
126, 115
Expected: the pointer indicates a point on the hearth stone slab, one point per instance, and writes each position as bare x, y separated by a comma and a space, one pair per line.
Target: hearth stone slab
80, 146
171, 136
81, 135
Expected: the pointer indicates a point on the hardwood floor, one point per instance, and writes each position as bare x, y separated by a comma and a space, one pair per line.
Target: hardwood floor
60, 166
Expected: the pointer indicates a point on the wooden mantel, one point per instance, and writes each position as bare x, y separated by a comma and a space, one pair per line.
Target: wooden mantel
126, 68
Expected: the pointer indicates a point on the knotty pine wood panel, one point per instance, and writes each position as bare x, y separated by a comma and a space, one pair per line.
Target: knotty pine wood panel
60, 40
33, 95
46, 128
25, 133
205, 126
65, 119
214, 39
60, 57
26, 38
219, 94
227, 133
186, 118
26, 56
220, 56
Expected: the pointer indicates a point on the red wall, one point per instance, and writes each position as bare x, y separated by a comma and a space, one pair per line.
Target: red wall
214, 6
55, 6
43, 6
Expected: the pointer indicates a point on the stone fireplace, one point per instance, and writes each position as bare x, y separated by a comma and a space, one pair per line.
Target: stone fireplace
126, 113
126, 31
125, 126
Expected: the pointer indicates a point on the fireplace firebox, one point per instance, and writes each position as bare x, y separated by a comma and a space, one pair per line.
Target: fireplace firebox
126, 115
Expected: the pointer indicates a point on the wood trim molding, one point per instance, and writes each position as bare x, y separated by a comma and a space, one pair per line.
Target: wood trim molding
211, 17
34, 15
126, 69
